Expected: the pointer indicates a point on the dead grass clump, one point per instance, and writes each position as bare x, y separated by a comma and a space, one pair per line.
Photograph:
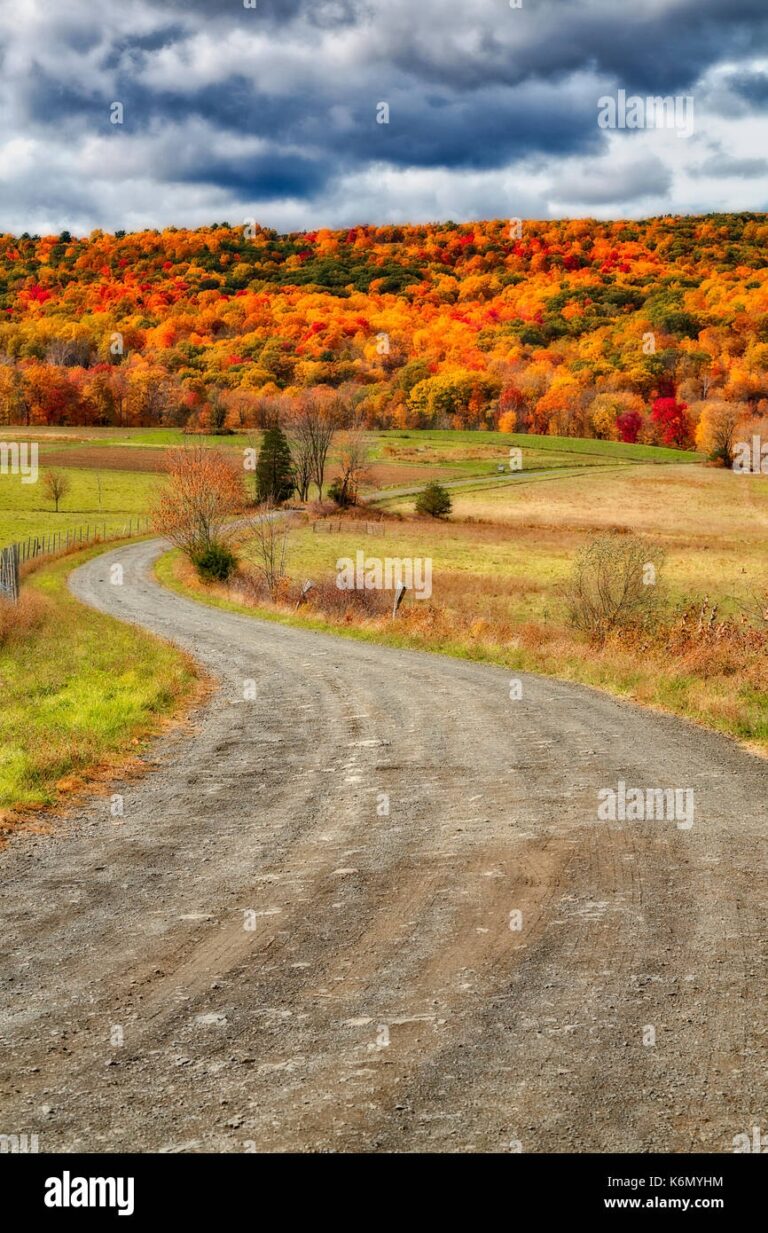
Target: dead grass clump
18, 621
321, 509
348, 606
709, 644
695, 642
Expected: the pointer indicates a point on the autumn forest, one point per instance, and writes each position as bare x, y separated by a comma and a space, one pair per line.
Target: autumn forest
636, 331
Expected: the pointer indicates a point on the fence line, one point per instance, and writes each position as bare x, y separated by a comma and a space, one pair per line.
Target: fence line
16, 555
330, 526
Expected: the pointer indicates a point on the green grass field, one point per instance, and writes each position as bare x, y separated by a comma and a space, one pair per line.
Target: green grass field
81, 691
107, 498
429, 439
158, 437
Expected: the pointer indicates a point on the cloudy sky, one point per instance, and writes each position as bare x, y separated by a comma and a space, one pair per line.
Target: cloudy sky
272, 112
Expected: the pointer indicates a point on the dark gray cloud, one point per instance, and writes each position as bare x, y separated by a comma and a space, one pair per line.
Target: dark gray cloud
607, 183
276, 106
750, 86
722, 164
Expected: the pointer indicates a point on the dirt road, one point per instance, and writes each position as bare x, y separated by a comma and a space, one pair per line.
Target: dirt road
479, 483
288, 966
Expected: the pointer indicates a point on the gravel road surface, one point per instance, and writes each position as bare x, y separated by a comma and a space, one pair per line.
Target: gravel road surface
373, 908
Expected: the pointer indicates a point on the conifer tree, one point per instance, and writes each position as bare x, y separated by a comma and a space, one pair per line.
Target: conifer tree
274, 469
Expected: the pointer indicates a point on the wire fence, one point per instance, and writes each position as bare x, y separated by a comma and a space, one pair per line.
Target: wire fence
334, 526
15, 555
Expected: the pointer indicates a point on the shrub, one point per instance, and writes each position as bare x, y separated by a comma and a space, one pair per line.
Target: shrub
339, 495
216, 563
434, 500
614, 584
348, 606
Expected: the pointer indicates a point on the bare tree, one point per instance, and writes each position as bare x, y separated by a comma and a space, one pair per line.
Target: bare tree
353, 464
217, 414
312, 425
300, 442
268, 410
56, 484
269, 546
69, 352
120, 385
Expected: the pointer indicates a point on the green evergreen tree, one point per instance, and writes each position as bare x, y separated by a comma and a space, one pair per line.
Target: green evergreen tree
434, 500
274, 469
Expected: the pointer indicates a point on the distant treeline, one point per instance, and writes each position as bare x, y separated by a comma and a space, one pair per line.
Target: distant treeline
623, 330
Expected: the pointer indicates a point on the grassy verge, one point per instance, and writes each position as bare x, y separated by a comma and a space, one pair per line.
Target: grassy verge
82, 693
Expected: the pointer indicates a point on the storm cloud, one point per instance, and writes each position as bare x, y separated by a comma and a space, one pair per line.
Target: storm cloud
275, 111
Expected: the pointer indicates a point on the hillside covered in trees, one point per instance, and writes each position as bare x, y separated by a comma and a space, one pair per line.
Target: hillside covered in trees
626, 330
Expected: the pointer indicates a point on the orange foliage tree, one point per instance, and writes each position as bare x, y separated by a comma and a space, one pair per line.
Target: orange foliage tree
203, 494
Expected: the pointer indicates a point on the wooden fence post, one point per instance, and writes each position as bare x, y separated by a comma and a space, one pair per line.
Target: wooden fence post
9, 573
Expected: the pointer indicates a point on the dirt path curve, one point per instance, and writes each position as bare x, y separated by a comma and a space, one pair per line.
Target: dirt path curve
480, 483
290, 968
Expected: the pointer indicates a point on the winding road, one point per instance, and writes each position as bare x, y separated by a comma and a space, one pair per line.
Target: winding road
372, 908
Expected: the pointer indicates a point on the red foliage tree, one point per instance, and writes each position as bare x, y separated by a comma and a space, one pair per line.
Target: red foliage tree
628, 426
673, 420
